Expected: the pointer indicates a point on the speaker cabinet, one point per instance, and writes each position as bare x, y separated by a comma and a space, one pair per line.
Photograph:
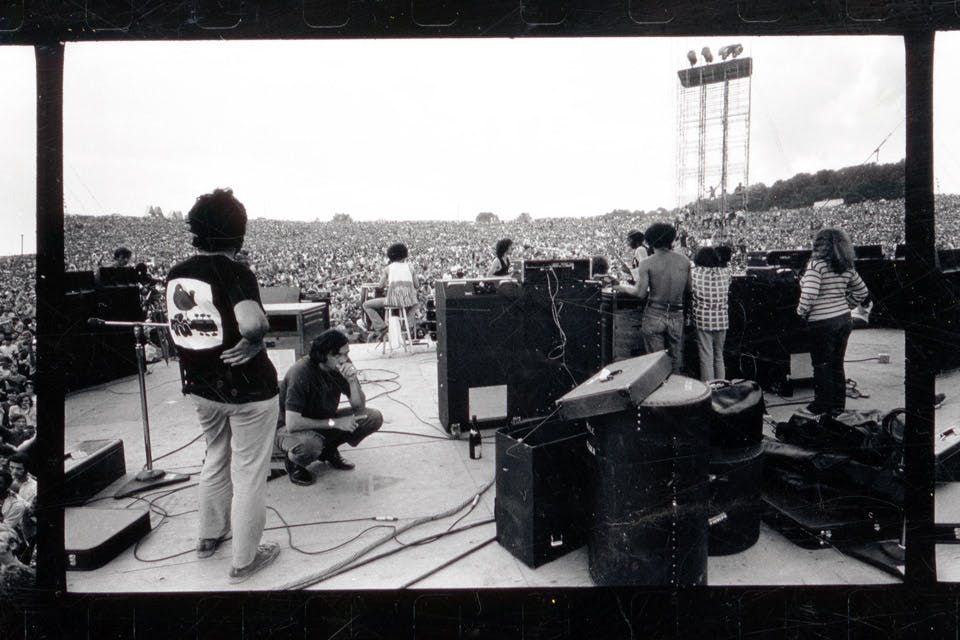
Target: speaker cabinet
791, 259
885, 281
764, 327
868, 252
479, 330
561, 344
93, 356
506, 352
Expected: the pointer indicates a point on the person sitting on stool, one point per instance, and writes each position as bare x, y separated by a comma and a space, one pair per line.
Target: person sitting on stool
312, 426
400, 283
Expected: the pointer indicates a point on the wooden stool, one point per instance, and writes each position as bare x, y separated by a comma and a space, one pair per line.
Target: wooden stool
405, 338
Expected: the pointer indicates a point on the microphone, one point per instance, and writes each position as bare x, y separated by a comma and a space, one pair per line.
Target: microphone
94, 322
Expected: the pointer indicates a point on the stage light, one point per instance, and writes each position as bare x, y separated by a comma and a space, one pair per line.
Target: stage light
707, 55
730, 50
692, 57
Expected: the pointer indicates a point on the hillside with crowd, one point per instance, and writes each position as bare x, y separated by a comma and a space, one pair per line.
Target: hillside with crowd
18, 419
335, 258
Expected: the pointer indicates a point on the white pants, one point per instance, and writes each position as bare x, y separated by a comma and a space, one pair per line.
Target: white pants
233, 482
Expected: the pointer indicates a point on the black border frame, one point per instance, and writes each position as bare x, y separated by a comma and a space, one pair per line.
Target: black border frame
920, 607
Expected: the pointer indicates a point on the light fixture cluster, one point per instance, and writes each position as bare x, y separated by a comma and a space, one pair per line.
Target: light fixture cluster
731, 50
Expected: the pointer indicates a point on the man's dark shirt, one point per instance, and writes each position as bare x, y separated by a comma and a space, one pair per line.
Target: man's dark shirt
311, 391
201, 294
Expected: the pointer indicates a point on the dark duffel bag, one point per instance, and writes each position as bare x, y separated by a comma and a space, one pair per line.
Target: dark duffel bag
816, 475
869, 437
737, 408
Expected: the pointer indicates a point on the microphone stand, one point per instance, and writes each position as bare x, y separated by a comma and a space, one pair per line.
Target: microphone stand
149, 477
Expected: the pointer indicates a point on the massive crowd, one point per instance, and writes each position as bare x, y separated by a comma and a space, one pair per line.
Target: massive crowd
18, 418
336, 258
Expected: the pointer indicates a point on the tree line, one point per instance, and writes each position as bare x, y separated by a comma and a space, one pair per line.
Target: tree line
850, 184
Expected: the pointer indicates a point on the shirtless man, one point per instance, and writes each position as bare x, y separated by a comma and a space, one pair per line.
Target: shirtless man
663, 279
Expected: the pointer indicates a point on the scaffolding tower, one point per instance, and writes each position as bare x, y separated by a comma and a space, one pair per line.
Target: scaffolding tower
713, 136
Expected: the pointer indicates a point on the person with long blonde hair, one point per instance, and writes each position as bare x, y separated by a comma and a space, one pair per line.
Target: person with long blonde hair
828, 286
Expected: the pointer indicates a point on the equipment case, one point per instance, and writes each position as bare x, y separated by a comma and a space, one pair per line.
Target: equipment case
541, 503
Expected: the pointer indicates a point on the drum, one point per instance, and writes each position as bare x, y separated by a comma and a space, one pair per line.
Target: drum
738, 410
736, 477
650, 489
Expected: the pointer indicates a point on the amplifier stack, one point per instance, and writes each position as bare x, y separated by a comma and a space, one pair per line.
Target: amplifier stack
92, 356
506, 351
765, 330
560, 347
479, 330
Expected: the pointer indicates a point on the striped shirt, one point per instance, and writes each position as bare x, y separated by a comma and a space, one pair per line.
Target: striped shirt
711, 288
824, 294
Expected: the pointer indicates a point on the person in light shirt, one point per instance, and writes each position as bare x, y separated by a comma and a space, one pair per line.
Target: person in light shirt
710, 288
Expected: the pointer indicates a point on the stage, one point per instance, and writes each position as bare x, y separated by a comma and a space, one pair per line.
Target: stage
410, 470
947, 495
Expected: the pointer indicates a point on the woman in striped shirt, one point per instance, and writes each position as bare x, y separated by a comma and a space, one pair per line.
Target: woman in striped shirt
827, 287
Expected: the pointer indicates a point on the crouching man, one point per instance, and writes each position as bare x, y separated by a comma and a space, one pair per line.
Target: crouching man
311, 425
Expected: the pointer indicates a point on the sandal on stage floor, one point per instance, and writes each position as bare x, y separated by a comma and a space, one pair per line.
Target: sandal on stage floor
206, 547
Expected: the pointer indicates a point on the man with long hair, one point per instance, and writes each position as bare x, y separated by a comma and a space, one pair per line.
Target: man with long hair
638, 247
827, 287
312, 426
500, 266
218, 324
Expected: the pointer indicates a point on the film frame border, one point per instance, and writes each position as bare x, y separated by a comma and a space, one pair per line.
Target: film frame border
561, 612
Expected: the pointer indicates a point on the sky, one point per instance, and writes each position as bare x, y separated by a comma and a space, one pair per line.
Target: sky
18, 144
436, 129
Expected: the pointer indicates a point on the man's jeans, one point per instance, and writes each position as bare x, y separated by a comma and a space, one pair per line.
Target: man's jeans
664, 330
304, 447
